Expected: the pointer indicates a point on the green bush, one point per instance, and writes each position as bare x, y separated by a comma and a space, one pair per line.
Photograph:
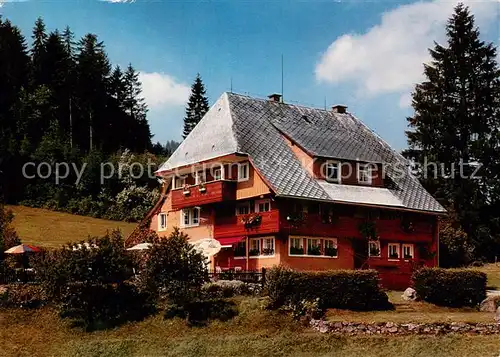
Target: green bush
198, 312
229, 288
450, 287
27, 296
342, 289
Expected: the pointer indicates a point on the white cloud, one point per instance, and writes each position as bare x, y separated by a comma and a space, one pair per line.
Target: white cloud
119, 1
389, 56
161, 90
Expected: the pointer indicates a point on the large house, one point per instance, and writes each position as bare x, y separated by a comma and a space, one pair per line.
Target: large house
308, 188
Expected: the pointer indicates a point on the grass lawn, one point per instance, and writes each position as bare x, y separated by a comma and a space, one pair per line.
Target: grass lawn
52, 229
253, 333
493, 273
418, 312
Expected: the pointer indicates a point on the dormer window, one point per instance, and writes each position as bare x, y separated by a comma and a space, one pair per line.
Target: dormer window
243, 171
365, 174
332, 171
199, 178
179, 182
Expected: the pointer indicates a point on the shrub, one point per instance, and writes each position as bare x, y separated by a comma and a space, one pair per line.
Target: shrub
305, 309
198, 312
28, 296
342, 289
450, 287
174, 270
229, 288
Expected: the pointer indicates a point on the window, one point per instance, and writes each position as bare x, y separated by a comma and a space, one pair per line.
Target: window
313, 246
267, 246
243, 171
179, 182
254, 247
199, 177
332, 171
240, 250
374, 248
330, 248
408, 251
262, 206
162, 221
365, 174
296, 246
190, 217
261, 247
393, 251
217, 174
243, 208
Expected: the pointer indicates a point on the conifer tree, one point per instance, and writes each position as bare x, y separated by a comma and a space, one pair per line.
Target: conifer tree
457, 119
38, 52
197, 106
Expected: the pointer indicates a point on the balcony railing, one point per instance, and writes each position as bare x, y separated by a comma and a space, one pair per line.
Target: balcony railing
318, 225
197, 195
247, 225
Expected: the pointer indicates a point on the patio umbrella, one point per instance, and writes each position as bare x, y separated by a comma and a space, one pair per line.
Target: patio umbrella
141, 246
21, 249
208, 247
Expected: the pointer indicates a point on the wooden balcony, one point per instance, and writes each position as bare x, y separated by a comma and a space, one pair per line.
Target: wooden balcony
236, 226
387, 229
213, 192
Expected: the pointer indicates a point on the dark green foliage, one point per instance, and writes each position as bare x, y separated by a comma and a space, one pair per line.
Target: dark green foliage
198, 312
8, 236
341, 289
174, 270
450, 287
457, 119
26, 296
90, 283
197, 106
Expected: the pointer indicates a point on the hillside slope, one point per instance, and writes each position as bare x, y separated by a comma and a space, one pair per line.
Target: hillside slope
52, 229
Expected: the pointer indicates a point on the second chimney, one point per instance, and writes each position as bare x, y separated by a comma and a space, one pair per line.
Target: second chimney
275, 97
339, 108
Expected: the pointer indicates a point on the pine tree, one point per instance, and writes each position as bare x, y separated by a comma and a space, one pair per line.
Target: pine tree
38, 52
197, 106
457, 119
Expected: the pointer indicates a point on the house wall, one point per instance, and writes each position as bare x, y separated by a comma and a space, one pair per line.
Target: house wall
253, 187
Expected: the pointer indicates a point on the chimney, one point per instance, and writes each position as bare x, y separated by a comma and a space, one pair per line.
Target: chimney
275, 97
339, 108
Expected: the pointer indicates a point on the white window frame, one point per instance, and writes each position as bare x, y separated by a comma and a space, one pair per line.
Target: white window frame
197, 177
412, 251
307, 249
366, 168
243, 204
219, 170
242, 178
191, 217
182, 180
338, 179
335, 242
261, 244
162, 227
301, 245
398, 246
377, 243
258, 202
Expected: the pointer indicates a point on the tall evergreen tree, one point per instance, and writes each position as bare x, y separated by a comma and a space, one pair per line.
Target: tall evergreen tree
38, 52
457, 119
197, 106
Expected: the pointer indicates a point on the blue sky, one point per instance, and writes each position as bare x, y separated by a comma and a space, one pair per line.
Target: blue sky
367, 55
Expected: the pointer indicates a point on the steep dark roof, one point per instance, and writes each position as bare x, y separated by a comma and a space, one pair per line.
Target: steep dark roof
257, 127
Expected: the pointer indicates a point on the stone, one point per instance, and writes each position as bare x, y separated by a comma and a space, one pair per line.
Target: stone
490, 304
497, 316
409, 294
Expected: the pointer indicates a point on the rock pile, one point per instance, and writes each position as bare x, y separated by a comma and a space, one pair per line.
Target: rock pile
391, 328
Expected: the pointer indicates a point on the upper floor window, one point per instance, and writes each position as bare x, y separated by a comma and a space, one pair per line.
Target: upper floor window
190, 217
199, 177
393, 250
217, 174
243, 171
365, 174
162, 221
243, 208
179, 182
263, 205
408, 251
374, 248
332, 171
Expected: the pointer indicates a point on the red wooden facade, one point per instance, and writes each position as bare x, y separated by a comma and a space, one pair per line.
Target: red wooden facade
235, 225
212, 192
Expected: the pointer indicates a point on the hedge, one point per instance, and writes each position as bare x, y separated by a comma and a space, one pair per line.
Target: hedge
450, 287
341, 289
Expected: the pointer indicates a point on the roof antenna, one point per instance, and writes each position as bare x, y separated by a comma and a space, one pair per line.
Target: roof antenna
282, 98
325, 102
231, 79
